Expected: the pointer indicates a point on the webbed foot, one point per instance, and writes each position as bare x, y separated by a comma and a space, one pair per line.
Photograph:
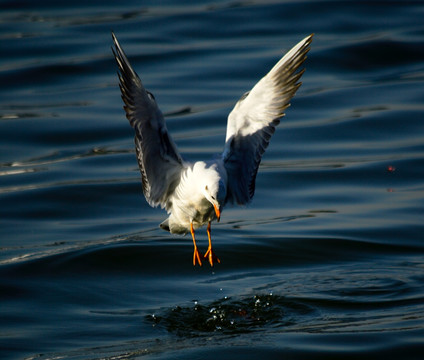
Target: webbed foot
210, 255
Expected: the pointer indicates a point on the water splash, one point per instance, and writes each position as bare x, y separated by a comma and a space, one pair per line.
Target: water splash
231, 316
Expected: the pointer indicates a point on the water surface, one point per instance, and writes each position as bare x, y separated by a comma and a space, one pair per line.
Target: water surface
327, 261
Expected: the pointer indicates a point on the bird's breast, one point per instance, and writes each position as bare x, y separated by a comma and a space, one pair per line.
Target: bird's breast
198, 213
204, 213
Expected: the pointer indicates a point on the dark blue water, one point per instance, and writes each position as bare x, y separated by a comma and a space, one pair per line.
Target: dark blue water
327, 262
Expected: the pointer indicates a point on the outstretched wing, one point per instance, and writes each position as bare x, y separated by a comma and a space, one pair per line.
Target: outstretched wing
253, 120
158, 158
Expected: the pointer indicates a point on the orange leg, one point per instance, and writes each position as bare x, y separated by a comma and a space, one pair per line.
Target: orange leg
210, 254
196, 255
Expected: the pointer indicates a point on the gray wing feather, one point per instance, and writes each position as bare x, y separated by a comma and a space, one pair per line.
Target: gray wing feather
253, 120
158, 158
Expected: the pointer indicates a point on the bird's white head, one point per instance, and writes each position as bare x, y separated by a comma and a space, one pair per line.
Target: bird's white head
215, 194
212, 185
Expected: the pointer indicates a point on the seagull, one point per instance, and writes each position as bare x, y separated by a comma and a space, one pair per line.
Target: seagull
194, 193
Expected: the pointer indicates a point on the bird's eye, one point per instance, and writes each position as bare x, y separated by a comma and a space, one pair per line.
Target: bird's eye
206, 187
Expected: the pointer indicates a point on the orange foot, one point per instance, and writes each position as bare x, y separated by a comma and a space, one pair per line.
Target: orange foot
196, 257
211, 256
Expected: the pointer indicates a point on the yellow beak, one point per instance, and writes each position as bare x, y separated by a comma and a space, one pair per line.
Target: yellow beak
217, 212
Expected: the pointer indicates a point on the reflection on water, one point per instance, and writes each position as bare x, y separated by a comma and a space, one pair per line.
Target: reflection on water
327, 260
